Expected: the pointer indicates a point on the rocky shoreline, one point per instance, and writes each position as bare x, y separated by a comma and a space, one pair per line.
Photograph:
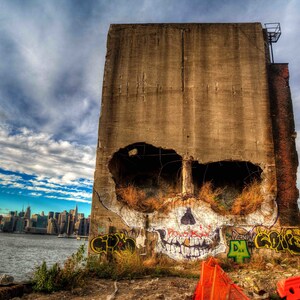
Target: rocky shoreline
14, 290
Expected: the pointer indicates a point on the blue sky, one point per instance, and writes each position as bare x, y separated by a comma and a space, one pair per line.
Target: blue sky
52, 59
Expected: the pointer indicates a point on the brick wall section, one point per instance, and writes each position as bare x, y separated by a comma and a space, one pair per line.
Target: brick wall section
284, 143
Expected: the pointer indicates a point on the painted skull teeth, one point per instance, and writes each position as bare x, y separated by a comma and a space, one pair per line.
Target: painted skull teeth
188, 247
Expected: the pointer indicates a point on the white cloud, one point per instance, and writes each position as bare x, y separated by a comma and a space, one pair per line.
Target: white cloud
39, 154
58, 169
70, 199
8, 179
35, 194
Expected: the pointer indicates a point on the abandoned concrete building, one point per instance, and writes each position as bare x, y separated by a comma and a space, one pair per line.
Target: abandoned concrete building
196, 141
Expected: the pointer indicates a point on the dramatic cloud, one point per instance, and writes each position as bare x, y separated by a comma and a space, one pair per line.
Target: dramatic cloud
38, 153
51, 70
51, 73
64, 169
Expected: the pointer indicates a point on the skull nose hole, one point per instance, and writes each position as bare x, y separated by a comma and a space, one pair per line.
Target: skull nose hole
188, 218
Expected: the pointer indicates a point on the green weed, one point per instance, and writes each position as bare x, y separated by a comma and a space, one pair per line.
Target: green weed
56, 277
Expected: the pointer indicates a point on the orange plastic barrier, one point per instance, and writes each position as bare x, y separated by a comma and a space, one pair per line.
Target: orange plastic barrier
289, 288
214, 284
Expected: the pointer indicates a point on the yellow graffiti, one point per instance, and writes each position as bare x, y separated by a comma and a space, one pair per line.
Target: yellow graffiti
112, 243
280, 241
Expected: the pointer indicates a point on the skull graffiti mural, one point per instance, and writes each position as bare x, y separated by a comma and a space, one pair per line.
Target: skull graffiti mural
147, 194
187, 235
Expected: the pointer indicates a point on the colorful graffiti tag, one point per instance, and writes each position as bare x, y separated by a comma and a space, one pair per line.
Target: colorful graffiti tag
287, 239
238, 250
234, 233
112, 243
194, 243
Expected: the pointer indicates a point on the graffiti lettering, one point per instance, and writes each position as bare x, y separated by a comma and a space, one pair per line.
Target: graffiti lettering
191, 233
238, 250
285, 240
240, 234
112, 243
138, 234
248, 236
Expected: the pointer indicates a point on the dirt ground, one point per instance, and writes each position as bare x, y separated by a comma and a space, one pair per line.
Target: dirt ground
256, 284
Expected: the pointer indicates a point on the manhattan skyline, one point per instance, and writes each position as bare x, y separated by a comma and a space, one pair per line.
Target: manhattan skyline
81, 209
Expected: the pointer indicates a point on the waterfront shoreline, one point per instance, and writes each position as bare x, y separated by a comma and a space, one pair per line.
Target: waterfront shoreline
22, 253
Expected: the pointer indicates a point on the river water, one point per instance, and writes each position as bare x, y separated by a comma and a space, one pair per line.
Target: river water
21, 253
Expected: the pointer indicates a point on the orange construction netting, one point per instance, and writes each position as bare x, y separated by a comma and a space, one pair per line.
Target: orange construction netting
215, 284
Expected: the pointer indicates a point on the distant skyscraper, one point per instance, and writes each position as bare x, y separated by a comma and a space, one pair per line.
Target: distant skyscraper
80, 216
27, 213
41, 221
50, 215
56, 216
19, 226
83, 227
52, 227
8, 224
70, 225
63, 221
75, 213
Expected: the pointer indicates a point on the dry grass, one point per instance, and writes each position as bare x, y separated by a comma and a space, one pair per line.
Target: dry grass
150, 262
131, 196
212, 196
249, 200
128, 264
245, 202
152, 203
136, 199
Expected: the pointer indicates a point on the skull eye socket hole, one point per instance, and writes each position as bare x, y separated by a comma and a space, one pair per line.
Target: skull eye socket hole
234, 181
144, 174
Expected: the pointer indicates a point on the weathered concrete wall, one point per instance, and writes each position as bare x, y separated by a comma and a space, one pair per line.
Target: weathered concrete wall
200, 90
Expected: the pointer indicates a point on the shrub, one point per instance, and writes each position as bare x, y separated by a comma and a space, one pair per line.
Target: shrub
100, 267
123, 265
46, 280
131, 196
56, 278
73, 271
